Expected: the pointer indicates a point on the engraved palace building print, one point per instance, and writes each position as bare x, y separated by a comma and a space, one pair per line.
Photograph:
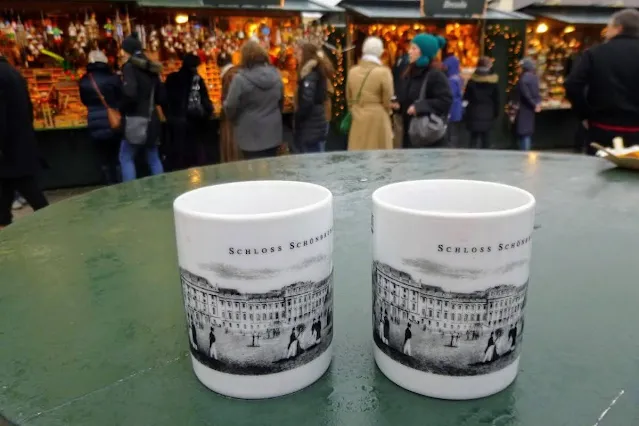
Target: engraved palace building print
452, 333
257, 333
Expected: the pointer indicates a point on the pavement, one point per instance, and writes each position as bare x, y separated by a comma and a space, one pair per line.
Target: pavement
54, 196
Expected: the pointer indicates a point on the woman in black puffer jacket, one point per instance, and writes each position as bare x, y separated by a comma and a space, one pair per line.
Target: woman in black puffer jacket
315, 74
110, 86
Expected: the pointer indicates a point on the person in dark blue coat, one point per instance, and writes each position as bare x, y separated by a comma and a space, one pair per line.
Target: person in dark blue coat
110, 86
529, 104
452, 68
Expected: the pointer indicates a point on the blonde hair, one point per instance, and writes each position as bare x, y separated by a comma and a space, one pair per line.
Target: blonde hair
97, 56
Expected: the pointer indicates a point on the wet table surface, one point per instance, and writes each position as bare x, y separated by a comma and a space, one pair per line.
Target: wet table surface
93, 333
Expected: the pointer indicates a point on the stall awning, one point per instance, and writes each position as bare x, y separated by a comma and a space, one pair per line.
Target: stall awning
590, 15
410, 10
289, 5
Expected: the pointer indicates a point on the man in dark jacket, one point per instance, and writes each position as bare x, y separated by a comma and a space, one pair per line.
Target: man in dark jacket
142, 92
189, 112
19, 160
98, 81
603, 87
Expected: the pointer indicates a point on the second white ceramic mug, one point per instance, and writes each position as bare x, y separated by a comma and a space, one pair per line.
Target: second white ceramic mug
256, 270
450, 275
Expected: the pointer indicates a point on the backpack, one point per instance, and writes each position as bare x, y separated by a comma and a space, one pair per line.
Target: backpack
194, 108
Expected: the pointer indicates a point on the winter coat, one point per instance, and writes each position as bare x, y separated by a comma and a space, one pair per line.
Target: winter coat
18, 147
371, 126
110, 86
482, 94
178, 88
254, 106
228, 147
141, 77
438, 99
528, 98
603, 86
310, 110
451, 65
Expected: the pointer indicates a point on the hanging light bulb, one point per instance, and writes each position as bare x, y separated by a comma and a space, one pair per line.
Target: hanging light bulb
569, 29
541, 28
181, 18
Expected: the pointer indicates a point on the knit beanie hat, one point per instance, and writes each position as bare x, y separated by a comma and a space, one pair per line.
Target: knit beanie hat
429, 45
527, 64
132, 44
190, 61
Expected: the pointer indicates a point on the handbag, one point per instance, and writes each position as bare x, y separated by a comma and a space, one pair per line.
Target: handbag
194, 108
113, 115
426, 130
136, 128
347, 121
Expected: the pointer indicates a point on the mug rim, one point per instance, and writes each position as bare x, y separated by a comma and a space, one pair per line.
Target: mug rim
179, 204
528, 205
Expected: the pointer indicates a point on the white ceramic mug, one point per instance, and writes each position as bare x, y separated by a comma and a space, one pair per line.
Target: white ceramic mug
257, 274
450, 274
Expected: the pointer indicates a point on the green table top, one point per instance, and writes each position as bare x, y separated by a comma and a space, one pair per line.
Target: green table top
93, 332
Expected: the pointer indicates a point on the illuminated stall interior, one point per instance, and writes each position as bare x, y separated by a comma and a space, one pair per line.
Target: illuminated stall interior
555, 39
49, 43
397, 22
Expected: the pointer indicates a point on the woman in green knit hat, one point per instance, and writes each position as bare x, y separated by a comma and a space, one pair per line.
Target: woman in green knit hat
438, 100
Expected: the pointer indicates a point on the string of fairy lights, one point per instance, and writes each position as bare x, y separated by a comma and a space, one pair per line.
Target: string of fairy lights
515, 46
337, 38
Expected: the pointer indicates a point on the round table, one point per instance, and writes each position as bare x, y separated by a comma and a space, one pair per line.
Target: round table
93, 331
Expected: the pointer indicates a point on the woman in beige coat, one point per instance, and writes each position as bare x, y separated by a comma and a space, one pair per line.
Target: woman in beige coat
369, 90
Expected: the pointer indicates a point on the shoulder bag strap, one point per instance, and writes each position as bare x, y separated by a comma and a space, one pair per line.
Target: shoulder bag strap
422, 91
152, 100
359, 92
97, 89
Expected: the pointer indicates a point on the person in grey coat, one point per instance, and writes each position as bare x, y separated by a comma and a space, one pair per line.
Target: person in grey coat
254, 104
529, 104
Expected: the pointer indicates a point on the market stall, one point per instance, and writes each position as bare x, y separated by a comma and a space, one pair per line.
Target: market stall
49, 43
471, 29
556, 39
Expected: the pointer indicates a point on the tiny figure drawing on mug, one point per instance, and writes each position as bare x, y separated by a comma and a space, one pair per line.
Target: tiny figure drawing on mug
424, 327
257, 333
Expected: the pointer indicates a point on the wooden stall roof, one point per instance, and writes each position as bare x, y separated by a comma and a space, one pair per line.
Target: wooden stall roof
410, 10
289, 5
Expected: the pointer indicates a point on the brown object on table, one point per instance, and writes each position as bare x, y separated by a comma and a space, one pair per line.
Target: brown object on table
228, 148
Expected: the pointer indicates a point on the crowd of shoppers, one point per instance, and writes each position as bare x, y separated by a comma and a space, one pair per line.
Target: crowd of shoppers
126, 111
419, 85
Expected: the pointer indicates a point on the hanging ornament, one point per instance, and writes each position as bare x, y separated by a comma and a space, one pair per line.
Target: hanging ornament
57, 35
108, 28
72, 31
154, 40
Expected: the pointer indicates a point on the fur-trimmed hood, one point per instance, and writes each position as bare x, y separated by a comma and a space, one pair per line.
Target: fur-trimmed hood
308, 68
485, 78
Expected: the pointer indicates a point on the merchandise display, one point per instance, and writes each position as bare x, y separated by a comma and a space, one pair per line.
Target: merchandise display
52, 60
554, 50
462, 40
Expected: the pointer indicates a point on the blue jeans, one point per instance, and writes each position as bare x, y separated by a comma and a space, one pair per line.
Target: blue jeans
314, 147
525, 142
127, 160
